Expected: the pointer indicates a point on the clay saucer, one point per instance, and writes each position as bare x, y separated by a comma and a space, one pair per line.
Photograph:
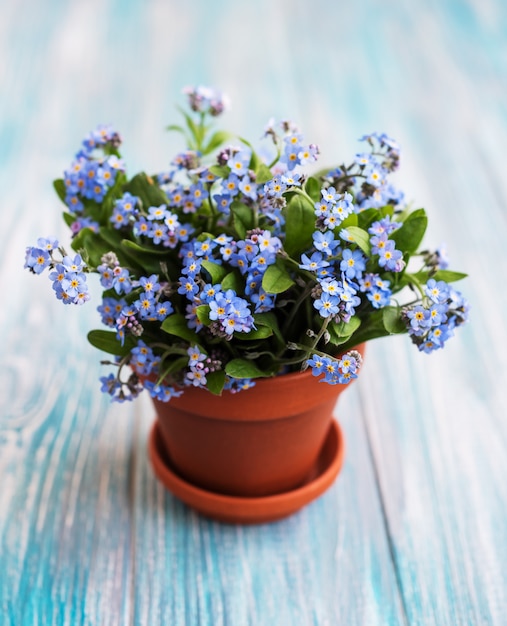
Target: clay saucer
256, 510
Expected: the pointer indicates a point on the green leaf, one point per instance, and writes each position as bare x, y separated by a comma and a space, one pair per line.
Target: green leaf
217, 272
106, 341
68, 218
174, 366
147, 190
132, 245
299, 225
365, 218
340, 333
408, 237
361, 237
192, 127
202, 313
312, 188
216, 139
448, 276
263, 173
222, 171
391, 316
145, 259
346, 329
128, 257
422, 277
371, 328
233, 280
241, 368
93, 245
215, 382
270, 320
176, 325
242, 218
351, 220
276, 278
386, 210
177, 128
60, 189
262, 332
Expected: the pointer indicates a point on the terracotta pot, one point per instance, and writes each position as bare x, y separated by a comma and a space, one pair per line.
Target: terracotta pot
259, 442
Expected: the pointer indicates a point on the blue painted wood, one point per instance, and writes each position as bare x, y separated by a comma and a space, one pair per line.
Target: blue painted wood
413, 531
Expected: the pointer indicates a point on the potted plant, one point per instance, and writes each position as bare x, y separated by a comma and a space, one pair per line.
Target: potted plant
234, 283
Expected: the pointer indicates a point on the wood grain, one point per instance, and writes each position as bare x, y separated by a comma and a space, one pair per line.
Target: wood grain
414, 531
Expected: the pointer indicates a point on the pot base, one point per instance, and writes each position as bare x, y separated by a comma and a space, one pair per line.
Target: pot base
241, 510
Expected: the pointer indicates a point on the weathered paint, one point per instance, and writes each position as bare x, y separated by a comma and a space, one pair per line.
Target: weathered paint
414, 531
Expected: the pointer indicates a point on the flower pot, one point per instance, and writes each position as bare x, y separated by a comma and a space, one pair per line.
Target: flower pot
256, 443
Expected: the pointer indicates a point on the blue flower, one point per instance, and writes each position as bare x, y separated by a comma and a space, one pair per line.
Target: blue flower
195, 356
158, 232
143, 360
74, 283
275, 187
385, 225
164, 393
110, 309
234, 385
191, 267
206, 100
223, 202
239, 162
327, 304
437, 291
390, 258
379, 242
314, 263
231, 185
162, 310
263, 302
268, 242
121, 282
419, 319
323, 209
150, 284
188, 287
308, 154
157, 212
84, 222
353, 263
379, 297
330, 195
317, 364
248, 188
292, 180
145, 305
325, 242
209, 293
36, 260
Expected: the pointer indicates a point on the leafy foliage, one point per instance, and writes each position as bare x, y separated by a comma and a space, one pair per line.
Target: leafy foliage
234, 267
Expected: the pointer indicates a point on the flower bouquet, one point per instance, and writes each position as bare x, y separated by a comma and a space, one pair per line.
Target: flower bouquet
236, 264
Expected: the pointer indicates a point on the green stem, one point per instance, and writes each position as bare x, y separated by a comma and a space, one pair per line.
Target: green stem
308, 349
302, 193
302, 297
278, 153
417, 283
168, 349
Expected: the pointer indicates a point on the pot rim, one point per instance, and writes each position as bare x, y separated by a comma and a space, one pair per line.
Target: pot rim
301, 392
247, 509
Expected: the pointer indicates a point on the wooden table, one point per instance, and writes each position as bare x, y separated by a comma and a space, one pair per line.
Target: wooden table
414, 531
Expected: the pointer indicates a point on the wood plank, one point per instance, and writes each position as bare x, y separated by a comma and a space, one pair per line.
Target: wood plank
442, 470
